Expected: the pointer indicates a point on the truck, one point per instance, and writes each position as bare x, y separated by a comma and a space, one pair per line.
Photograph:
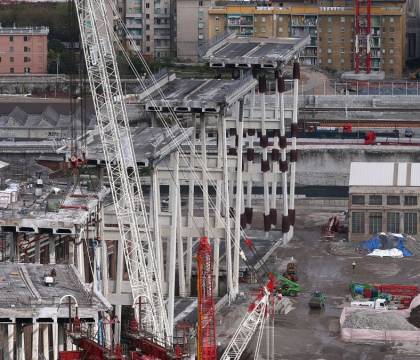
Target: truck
401, 295
377, 304
317, 300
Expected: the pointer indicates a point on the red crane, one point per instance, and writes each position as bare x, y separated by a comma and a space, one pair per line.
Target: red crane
206, 334
362, 35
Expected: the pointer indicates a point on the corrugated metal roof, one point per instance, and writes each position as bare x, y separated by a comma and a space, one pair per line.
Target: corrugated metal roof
384, 174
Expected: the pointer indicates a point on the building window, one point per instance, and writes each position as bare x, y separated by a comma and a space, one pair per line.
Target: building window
391, 51
342, 61
280, 29
263, 19
391, 29
25, 38
27, 70
147, 5
410, 200
375, 222
26, 59
393, 200
343, 19
10, 38
12, 59
358, 222
375, 199
200, 3
358, 200
147, 37
410, 223
329, 19
12, 70
280, 18
393, 222
391, 19
217, 18
26, 49
329, 61
263, 29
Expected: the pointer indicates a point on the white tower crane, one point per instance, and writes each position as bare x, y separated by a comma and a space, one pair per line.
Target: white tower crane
124, 180
254, 319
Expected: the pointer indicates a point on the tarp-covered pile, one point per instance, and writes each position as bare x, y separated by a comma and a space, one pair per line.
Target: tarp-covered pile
388, 244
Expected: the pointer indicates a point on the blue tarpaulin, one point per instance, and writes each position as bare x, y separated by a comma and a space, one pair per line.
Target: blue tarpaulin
385, 242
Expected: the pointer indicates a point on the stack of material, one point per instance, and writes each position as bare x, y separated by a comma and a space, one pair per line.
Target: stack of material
377, 321
387, 241
414, 317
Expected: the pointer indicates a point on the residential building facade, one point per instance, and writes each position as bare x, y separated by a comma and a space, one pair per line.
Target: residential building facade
23, 50
192, 27
331, 29
383, 197
151, 24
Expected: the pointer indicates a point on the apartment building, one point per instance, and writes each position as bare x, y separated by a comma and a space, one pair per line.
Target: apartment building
151, 24
192, 28
23, 50
331, 29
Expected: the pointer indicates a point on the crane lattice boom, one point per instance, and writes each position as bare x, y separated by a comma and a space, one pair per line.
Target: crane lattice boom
124, 180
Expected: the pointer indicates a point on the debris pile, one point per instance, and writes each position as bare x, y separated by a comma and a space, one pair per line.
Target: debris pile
414, 317
377, 321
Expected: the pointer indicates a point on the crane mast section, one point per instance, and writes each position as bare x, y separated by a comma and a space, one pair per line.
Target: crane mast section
121, 164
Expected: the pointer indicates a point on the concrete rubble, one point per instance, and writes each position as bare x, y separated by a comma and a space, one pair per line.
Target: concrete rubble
377, 321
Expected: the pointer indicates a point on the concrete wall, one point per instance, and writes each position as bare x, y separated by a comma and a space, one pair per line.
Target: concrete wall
332, 166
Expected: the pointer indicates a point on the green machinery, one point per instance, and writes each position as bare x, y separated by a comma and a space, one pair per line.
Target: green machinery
317, 300
288, 287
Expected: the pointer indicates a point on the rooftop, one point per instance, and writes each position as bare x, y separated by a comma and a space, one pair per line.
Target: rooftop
42, 30
384, 174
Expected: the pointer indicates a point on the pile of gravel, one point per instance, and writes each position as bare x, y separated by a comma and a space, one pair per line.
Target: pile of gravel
377, 321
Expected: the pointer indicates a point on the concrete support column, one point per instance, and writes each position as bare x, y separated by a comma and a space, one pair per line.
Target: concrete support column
156, 227
71, 251
11, 340
190, 219
222, 123
80, 253
37, 249
35, 340
117, 327
20, 334
60, 337
293, 152
51, 249
285, 224
45, 342
203, 141
216, 261
239, 188
55, 338
265, 166
173, 202
180, 251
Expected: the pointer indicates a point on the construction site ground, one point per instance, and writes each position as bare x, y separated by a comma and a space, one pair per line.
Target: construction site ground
313, 334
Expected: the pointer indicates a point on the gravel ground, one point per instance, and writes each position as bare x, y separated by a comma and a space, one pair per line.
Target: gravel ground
304, 334
377, 321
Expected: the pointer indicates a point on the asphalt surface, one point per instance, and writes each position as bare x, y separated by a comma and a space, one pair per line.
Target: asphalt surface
307, 334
